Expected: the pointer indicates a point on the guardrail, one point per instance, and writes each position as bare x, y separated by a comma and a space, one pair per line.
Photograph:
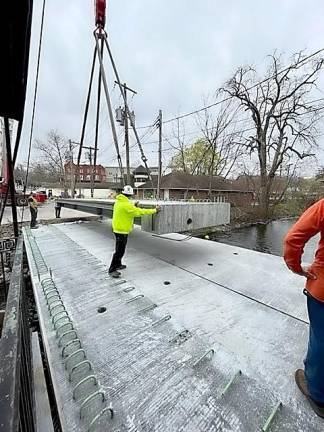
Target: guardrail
16, 383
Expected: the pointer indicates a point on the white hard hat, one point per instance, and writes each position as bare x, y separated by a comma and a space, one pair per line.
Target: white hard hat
128, 190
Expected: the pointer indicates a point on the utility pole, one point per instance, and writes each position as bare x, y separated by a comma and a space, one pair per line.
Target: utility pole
91, 168
72, 171
92, 174
126, 138
71, 168
160, 155
125, 117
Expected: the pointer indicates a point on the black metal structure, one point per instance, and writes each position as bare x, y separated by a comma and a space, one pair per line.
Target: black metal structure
17, 407
15, 33
7, 247
15, 29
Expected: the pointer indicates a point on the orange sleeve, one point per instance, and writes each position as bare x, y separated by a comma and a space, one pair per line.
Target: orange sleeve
310, 223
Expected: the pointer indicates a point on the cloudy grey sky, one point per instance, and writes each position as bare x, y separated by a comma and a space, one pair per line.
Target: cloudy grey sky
172, 52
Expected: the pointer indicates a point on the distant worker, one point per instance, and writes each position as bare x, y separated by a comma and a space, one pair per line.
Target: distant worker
310, 381
123, 218
57, 207
33, 210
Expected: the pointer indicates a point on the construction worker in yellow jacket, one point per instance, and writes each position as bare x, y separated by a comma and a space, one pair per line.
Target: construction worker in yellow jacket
123, 219
33, 210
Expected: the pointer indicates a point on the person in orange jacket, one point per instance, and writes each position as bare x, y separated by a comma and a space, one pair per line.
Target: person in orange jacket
310, 381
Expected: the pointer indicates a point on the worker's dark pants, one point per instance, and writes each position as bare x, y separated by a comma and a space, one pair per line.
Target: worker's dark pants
58, 212
121, 241
33, 217
314, 362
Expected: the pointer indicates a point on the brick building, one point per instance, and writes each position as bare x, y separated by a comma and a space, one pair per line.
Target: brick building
83, 172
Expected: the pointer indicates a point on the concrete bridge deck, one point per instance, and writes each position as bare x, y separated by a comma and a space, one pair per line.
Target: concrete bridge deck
179, 300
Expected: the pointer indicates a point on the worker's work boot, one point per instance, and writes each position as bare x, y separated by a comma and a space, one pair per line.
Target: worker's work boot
121, 267
301, 382
302, 385
115, 274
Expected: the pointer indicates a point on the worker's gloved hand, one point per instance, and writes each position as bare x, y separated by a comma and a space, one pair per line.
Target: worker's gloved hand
307, 274
158, 209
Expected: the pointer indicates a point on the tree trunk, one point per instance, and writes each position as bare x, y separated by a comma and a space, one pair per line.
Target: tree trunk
264, 200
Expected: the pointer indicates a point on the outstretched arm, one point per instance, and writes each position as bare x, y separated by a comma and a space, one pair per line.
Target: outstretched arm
138, 211
309, 224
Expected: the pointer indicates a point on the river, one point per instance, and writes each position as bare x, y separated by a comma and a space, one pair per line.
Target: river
265, 238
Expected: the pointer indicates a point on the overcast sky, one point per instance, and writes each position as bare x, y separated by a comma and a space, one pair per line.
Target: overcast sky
173, 53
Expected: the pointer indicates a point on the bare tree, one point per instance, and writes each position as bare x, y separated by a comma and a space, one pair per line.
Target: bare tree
219, 132
54, 153
284, 118
214, 150
180, 145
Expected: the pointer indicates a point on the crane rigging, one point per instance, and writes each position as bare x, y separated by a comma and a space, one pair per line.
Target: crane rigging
101, 42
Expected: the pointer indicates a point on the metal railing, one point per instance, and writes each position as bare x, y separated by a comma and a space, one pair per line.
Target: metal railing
17, 405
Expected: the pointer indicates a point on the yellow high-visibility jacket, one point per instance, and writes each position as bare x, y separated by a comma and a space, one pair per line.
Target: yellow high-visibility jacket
124, 213
32, 203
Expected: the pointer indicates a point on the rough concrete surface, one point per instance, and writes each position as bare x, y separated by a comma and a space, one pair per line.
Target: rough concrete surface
242, 304
45, 212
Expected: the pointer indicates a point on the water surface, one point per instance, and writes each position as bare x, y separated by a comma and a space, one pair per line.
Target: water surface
265, 238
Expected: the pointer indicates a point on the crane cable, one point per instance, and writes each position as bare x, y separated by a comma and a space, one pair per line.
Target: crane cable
34, 106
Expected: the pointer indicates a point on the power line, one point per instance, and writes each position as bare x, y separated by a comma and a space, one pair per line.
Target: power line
299, 64
232, 133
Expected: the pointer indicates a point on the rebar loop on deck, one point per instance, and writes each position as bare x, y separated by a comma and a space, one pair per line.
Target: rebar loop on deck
94, 395
46, 282
37, 255
66, 317
61, 326
83, 381
161, 320
126, 290
57, 313
208, 353
78, 366
97, 417
271, 417
69, 332
230, 382
148, 308
50, 291
75, 358
70, 343
121, 282
53, 294
51, 306
72, 356
137, 297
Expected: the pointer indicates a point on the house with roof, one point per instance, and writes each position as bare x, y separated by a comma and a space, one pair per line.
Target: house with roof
180, 185
139, 174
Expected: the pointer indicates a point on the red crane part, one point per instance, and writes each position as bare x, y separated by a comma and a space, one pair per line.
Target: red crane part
100, 13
